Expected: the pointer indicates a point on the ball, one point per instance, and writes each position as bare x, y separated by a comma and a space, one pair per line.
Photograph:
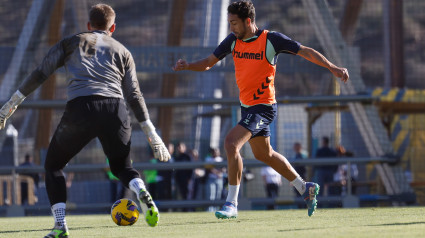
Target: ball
124, 212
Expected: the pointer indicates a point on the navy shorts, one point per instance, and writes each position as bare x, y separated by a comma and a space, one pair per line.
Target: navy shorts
257, 119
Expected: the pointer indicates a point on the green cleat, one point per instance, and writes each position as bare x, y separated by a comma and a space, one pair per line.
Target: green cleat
311, 191
58, 232
148, 207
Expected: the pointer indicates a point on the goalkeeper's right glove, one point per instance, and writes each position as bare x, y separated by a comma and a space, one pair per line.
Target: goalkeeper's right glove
9, 108
160, 151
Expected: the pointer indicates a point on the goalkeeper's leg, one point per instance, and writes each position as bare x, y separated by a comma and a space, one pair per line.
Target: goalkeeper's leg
121, 167
71, 135
147, 205
67, 141
130, 178
114, 133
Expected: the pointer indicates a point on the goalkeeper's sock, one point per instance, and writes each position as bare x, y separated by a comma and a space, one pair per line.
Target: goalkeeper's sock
232, 196
58, 211
136, 185
299, 184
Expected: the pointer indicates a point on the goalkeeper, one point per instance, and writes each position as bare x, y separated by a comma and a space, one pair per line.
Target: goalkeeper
101, 74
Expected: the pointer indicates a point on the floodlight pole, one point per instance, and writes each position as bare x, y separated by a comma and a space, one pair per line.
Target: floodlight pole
214, 22
28, 40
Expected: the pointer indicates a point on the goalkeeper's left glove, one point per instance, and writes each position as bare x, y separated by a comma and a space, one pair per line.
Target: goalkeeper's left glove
9, 108
160, 151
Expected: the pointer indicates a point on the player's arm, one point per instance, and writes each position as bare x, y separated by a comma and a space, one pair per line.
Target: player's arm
207, 63
317, 58
52, 61
200, 65
136, 101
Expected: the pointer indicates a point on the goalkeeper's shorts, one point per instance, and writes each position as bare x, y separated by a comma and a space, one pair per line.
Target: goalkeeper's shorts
86, 118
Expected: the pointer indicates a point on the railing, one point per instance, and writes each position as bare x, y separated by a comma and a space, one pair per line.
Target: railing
248, 163
8, 181
58, 104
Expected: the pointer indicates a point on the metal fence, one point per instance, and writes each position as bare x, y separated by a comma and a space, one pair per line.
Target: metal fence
90, 184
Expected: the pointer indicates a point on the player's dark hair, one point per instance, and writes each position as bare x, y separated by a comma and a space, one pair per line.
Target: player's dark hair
244, 10
101, 16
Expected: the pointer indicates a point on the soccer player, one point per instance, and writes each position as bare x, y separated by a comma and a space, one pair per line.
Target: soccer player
254, 54
101, 74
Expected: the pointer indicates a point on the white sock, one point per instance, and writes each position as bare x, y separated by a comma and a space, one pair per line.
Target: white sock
232, 196
299, 184
136, 185
58, 212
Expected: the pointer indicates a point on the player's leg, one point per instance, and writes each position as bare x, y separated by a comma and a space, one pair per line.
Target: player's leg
253, 120
263, 151
234, 141
114, 132
71, 135
121, 167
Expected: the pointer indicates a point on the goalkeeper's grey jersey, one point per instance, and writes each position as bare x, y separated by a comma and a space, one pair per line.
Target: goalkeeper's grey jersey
95, 64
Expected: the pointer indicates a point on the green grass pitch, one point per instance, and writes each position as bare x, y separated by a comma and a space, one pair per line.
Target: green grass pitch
362, 222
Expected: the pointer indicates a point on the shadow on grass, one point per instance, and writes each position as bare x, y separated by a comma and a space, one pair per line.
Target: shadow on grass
35, 230
400, 224
11, 232
304, 229
202, 222
197, 223
389, 224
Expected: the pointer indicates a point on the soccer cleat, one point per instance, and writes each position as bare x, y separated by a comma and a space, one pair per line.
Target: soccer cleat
229, 210
58, 232
148, 207
309, 196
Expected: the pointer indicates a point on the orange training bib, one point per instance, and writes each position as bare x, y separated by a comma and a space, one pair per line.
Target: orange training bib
254, 74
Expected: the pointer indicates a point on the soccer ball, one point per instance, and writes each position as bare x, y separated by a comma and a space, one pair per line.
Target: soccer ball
124, 212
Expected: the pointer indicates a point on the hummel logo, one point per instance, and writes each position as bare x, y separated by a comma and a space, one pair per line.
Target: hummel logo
259, 124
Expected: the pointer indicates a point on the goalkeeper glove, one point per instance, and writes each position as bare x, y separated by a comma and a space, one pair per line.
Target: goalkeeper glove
9, 108
159, 150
